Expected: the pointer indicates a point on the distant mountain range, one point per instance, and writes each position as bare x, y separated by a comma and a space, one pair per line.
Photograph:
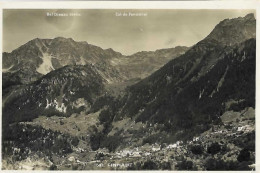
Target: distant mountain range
41, 56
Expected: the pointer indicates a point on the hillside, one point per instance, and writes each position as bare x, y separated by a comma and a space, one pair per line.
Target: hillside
206, 73
64, 91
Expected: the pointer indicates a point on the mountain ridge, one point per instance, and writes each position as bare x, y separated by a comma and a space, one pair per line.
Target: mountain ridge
40, 56
162, 95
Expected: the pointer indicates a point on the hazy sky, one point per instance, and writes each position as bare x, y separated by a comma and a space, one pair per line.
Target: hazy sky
159, 29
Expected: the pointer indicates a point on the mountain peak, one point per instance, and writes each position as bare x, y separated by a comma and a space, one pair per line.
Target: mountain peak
63, 39
250, 16
233, 31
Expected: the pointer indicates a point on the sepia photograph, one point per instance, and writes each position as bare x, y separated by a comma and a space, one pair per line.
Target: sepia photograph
128, 89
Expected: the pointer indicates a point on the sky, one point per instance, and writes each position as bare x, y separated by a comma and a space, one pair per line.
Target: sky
154, 29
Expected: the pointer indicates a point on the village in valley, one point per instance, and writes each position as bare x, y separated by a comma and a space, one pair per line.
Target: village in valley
172, 155
221, 142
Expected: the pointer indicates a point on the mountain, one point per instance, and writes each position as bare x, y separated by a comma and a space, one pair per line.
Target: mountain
40, 56
233, 31
39, 59
35, 74
142, 64
195, 88
65, 91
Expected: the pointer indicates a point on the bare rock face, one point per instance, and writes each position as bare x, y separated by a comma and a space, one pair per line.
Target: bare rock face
233, 31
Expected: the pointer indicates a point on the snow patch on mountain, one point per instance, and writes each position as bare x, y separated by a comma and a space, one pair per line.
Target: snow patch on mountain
4, 70
82, 61
219, 83
46, 66
201, 93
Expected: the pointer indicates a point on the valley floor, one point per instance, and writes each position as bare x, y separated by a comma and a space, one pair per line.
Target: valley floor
219, 148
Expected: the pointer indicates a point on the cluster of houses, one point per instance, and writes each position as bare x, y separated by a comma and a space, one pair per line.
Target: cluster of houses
174, 152
145, 151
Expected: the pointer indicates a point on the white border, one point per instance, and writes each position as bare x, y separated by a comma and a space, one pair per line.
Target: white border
132, 4
146, 5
